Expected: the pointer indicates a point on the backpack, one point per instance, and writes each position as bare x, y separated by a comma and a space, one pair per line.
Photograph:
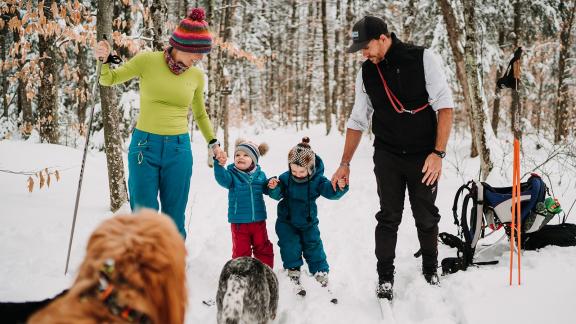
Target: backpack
484, 206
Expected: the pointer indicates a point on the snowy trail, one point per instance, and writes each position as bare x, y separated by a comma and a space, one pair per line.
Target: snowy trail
35, 227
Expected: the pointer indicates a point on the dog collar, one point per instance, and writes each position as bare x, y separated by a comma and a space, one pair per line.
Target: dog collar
106, 292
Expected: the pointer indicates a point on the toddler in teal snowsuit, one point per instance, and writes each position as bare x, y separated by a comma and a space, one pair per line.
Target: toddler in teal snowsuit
297, 222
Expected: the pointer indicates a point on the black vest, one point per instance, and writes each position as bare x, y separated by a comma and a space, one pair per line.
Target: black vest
403, 69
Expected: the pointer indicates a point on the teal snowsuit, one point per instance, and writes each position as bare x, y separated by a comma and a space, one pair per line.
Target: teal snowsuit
297, 222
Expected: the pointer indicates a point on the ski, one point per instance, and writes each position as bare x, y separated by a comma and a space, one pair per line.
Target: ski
298, 288
386, 310
294, 278
327, 289
209, 302
333, 298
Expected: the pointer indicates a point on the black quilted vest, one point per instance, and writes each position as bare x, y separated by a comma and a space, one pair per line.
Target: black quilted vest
403, 69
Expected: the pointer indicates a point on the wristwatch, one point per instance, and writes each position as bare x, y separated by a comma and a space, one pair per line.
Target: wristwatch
441, 154
213, 143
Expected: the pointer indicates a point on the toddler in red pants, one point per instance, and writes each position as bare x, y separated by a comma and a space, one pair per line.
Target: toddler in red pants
247, 184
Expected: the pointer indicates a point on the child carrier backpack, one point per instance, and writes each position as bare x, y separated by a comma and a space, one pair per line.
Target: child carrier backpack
484, 206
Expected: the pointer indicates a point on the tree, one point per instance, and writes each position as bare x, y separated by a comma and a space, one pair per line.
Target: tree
158, 15
516, 106
110, 118
48, 91
561, 113
326, 50
474, 84
455, 37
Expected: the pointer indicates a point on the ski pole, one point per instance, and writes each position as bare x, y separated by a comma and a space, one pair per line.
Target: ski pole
513, 218
94, 87
516, 226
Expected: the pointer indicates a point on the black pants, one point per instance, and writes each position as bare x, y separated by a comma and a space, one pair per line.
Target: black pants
393, 174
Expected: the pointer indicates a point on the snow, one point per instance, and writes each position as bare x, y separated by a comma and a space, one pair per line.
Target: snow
36, 227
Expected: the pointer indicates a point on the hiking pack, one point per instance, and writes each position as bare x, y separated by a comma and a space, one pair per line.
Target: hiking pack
486, 207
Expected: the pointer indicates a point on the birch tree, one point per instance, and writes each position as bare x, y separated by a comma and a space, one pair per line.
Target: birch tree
110, 119
474, 85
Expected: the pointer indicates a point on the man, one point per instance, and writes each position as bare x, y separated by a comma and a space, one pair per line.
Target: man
404, 92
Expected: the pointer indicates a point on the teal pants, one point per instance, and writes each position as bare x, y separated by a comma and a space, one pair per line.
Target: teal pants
296, 242
160, 166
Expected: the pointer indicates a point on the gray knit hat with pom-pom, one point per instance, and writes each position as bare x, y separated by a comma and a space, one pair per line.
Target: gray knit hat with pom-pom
253, 150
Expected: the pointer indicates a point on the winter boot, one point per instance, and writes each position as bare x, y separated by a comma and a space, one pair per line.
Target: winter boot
385, 287
431, 276
294, 275
322, 278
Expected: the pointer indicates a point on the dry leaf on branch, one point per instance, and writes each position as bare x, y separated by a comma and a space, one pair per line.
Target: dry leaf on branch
42, 180
30, 184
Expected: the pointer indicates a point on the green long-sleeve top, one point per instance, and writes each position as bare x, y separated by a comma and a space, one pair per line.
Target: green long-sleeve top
164, 96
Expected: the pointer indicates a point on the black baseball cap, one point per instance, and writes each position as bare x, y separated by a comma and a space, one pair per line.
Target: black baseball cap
367, 29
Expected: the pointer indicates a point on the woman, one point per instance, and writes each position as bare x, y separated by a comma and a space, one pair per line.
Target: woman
159, 157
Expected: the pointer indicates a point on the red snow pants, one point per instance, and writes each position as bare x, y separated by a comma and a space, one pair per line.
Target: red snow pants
251, 239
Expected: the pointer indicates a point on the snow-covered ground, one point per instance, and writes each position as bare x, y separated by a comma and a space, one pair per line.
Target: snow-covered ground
35, 227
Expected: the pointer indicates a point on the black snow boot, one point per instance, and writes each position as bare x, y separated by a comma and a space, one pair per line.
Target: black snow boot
385, 286
431, 276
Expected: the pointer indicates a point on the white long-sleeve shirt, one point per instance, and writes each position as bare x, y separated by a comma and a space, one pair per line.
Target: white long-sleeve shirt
439, 92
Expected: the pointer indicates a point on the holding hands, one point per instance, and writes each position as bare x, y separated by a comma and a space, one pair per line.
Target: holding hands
341, 183
273, 182
220, 155
341, 176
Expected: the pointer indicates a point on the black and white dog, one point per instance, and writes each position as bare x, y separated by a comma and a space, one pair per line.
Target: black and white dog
247, 292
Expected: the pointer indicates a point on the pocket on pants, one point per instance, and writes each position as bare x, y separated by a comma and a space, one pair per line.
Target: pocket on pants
138, 156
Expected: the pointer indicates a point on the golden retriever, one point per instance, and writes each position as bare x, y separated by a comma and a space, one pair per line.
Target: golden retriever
133, 272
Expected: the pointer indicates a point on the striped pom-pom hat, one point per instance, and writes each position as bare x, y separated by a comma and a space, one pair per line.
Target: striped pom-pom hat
253, 150
192, 34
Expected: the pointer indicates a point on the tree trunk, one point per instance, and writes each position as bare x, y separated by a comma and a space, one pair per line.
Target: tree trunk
158, 12
173, 8
561, 115
347, 78
110, 119
84, 97
48, 91
538, 108
226, 35
408, 20
326, 50
290, 60
3, 79
476, 100
515, 109
497, 94
338, 53
213, 98
455, 33
310, 54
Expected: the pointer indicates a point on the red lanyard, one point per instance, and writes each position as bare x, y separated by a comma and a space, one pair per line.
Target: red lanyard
394, 100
